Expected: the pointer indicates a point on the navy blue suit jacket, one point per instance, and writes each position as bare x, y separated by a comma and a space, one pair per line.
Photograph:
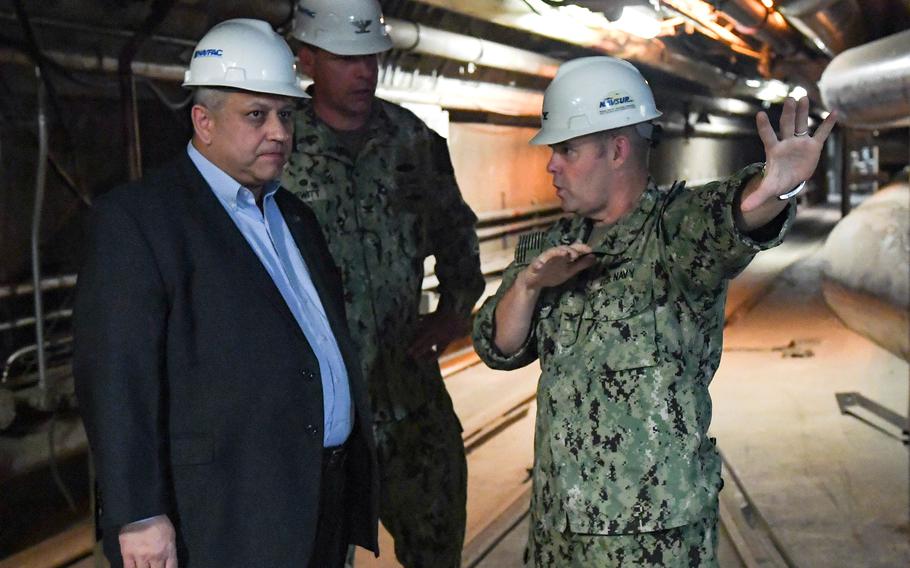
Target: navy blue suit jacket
200, 394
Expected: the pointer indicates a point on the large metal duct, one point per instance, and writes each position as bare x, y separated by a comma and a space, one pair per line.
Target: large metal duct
869, 86
832, 25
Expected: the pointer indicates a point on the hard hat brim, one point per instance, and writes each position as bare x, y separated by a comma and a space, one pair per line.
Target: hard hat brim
264, 87
352, 48
545, 137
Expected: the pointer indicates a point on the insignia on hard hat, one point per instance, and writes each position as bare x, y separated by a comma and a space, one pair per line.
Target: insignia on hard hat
617, 100
208, 53
362, 26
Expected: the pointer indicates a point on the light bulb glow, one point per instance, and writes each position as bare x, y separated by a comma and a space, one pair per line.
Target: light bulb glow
798, 92
640, 21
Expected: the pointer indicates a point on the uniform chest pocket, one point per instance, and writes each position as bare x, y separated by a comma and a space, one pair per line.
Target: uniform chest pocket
563, 322
621, 327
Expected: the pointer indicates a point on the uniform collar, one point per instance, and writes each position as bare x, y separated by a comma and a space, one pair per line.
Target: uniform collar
314, 136
614, 239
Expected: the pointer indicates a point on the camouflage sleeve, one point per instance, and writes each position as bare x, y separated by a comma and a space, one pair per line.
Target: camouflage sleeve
703, 243
453, 239
485, 330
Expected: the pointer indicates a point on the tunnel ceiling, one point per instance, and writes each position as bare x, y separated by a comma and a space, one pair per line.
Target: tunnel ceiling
700, 47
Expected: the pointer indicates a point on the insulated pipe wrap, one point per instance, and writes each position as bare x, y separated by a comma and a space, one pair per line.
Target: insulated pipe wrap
869, 86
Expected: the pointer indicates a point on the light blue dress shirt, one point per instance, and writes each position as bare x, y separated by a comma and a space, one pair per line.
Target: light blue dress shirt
270, 239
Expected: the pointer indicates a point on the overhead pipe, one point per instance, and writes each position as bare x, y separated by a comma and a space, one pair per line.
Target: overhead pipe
98, 64
37, 209
832, 25
406, 36
400, 86
411, 36
869, 86
755, 19
693, 11
49, 283
394, 86
128, 106
20, 353
651, 52
19, 323
129, 113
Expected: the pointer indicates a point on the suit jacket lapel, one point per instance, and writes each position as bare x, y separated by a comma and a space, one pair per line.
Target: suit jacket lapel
231, 241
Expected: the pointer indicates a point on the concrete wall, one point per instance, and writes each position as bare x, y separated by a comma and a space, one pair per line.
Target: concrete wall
497, 168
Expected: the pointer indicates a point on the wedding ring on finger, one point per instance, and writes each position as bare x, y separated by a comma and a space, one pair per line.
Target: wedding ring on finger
803, 133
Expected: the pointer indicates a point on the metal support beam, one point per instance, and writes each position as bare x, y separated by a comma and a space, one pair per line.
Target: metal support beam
846, 401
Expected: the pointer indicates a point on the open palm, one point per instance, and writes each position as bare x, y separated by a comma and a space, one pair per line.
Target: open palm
792, 154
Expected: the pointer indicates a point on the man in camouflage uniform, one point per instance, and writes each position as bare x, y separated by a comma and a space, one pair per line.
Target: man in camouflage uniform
623, 305
382, 185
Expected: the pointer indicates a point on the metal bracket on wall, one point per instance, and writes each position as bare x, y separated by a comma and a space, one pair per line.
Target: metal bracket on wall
846, 401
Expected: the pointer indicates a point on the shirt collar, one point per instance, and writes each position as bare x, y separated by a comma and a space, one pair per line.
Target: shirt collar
228, 190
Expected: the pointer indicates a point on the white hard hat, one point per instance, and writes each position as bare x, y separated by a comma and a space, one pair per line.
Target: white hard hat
342, 27
244, 54
592, 94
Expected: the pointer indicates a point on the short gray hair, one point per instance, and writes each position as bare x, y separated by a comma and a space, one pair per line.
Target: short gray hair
209, 97
641, 146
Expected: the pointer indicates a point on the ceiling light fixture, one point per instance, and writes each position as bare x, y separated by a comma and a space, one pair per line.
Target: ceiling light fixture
640, 21
773, 91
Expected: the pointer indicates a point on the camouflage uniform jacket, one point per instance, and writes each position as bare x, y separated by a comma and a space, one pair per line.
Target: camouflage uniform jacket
383, 212
627, 350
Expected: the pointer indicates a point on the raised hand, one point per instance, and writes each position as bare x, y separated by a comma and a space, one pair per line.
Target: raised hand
791, 155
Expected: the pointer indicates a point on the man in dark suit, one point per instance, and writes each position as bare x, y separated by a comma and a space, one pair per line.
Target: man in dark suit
221, 394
